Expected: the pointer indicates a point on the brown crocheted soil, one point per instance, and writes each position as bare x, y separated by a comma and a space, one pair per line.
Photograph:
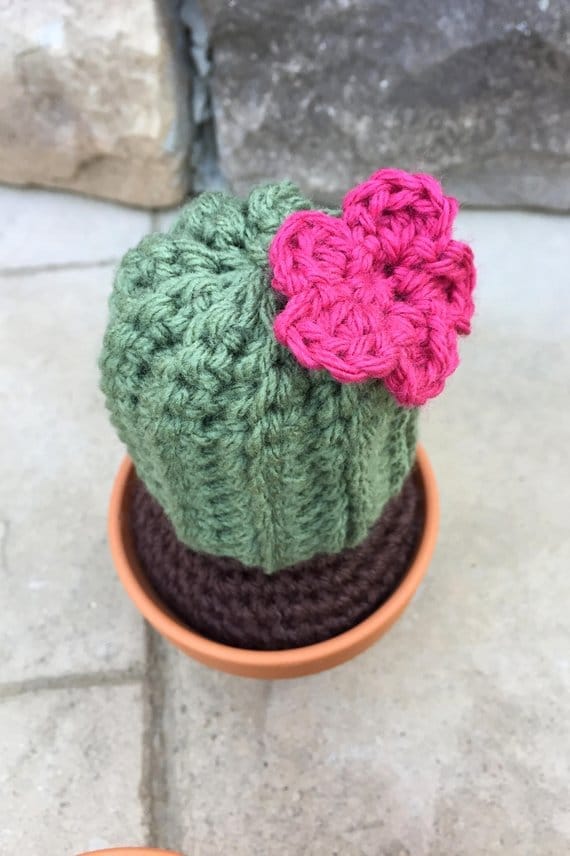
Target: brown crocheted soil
306, 603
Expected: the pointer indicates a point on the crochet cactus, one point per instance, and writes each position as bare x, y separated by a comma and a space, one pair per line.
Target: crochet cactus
263, 361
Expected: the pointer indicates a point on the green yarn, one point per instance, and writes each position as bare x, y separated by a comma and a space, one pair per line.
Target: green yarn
250, 455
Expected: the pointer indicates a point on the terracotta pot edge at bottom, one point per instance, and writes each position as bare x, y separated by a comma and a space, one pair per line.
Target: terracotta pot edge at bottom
130, 851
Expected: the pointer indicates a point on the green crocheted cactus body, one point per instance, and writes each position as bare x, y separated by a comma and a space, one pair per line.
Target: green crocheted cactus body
249, 454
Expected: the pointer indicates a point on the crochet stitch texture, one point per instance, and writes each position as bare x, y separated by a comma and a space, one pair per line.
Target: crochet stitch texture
250, 455
301, 605
382, 291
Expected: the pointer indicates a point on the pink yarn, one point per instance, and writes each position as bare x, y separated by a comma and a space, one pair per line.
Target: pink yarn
380, 292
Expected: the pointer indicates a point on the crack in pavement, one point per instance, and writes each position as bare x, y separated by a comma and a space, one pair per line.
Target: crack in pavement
81, 680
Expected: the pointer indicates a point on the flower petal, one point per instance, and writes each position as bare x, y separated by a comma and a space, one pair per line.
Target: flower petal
308, 246
381, 292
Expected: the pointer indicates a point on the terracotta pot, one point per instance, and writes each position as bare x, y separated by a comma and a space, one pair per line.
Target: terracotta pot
266, 664
130, 851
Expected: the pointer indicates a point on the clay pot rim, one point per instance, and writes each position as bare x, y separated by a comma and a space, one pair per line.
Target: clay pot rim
286, 663
130, 851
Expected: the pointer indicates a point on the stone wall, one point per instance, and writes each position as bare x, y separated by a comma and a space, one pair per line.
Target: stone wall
103, 99
94, 97
326, 91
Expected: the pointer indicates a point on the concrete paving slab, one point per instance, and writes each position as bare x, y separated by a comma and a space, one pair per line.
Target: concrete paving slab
71, 770
41, 227
63, 610
165, 219
449, 737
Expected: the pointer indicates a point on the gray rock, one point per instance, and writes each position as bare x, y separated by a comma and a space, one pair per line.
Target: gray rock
95, 100
326, 92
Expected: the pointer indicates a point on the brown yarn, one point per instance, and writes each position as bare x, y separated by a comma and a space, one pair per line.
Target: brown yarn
306, 603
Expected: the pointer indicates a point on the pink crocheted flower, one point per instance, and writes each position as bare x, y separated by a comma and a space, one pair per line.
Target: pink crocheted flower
382, 291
